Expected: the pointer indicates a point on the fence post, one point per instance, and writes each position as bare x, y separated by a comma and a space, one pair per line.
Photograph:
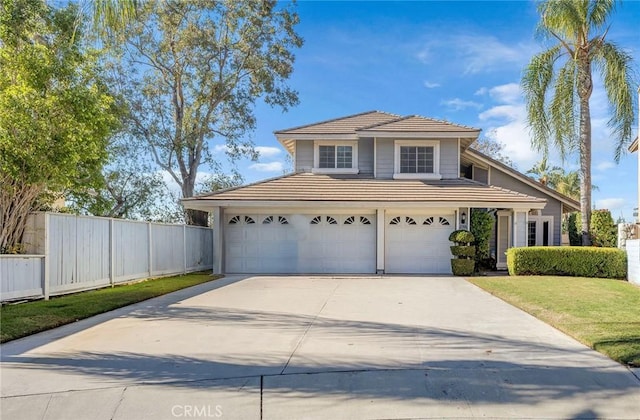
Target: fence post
184, 248
150, 248
112, 251
47, 242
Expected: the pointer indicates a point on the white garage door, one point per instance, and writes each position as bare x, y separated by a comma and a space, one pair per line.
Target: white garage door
418, 244
295, 243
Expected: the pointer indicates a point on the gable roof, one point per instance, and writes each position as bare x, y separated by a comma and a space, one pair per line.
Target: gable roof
418, 123
342, 125
314, 190
567, 201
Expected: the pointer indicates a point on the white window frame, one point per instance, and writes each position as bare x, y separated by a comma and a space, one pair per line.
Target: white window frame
316, 157
424, 143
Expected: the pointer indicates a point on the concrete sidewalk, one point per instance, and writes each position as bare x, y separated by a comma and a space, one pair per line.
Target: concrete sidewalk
314, 347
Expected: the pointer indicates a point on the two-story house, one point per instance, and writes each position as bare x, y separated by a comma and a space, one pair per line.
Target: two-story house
376, 193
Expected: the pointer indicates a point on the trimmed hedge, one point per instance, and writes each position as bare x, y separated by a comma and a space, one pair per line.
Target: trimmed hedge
568, 261
462, 267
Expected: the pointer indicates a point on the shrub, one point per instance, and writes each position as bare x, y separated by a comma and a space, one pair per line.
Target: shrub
572, 226
568, 261
461, 237
462, 267
463, 251
481, 227
604, 231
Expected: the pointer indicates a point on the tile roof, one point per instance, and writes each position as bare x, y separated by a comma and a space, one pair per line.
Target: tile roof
570, 203
413, 123
343, 125
333, 188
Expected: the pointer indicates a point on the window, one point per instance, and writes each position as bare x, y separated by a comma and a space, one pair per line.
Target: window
417, 159
335, 157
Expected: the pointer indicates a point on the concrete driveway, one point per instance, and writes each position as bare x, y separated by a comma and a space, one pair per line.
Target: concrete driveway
313, 347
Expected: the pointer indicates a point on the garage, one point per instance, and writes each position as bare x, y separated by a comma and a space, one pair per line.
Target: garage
418, 243
300, 243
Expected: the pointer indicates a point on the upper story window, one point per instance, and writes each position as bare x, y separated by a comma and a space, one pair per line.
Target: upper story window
335, 157
417, 160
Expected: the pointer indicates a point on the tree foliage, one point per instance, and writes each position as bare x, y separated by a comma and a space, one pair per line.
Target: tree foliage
55, 113
481, 227
567, 183
558, 84
492, 148
194, 71
130, 186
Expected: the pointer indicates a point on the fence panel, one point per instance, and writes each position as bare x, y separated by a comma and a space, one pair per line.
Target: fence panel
84, 253
131, 250
21, 276
167, 249
199, 242
633, 261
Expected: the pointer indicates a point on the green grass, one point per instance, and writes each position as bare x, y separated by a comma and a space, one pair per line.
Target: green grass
28, 318
603, 314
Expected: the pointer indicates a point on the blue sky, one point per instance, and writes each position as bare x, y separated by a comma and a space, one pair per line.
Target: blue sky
459, 61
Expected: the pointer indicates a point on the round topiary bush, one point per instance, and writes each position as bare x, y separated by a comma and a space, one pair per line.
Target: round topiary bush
463, 251
461, 237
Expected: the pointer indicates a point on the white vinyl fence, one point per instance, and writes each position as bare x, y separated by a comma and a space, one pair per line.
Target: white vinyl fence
69, 253
633, 261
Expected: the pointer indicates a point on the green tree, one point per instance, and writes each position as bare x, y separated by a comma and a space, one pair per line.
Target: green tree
130, 186
55, 113
545, 174
558, 84
195, 71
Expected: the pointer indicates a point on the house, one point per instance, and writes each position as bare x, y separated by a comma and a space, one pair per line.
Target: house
376, 193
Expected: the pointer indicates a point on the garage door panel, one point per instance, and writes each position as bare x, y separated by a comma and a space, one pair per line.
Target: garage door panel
418, 244
305, 244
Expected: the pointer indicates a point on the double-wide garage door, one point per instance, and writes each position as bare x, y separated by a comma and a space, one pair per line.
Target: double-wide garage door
329, 243
295, 243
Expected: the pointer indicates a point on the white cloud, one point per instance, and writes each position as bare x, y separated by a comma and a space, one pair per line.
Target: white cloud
267, 151
509, 93
507, 125
220, 148
458, 104
268, 167
431, 85
603, 166
475, 53
610, 203
481, 91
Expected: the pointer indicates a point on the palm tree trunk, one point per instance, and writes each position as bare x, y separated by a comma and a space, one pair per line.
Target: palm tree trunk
585, 87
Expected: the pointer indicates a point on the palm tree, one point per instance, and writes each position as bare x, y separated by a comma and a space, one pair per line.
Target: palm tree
111, 16
558, 83
544, 174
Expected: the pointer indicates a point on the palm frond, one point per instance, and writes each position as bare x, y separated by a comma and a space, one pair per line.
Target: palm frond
562, 109
620, 83
599, 11
536, 81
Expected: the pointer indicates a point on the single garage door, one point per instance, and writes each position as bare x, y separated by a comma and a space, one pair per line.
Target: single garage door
298, 243
418, 244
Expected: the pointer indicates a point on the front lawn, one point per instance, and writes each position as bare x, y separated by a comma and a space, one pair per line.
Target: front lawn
28, 318
603, 314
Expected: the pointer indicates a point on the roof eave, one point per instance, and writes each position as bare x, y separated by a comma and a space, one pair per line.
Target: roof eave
208, 204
